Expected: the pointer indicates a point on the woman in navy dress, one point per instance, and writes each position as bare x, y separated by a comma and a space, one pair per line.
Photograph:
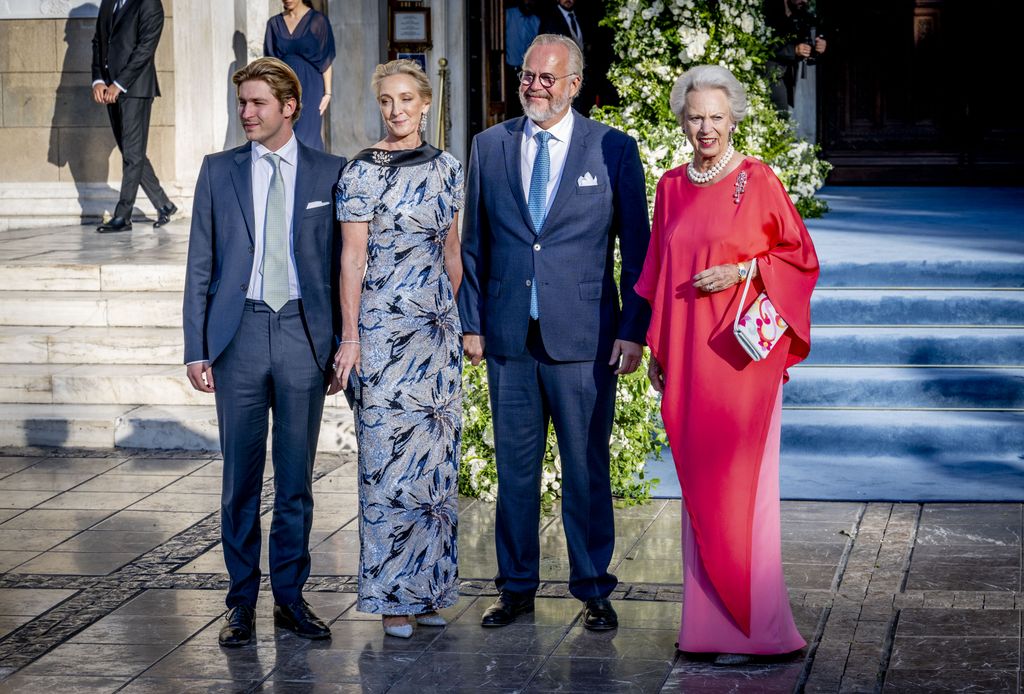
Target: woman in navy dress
302, 37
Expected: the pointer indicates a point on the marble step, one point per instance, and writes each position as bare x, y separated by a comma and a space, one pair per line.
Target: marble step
173, 427
917, 307
907, 387
61, 345
830, 433
91, 308
106, 384
92, 275
916, 345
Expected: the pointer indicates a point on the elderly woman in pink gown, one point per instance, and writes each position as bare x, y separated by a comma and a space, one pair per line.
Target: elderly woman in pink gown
722, 411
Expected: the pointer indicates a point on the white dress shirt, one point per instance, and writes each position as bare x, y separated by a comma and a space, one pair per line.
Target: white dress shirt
558, 149
261, 173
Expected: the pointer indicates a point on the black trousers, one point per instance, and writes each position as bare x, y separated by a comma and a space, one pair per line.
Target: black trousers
129, 119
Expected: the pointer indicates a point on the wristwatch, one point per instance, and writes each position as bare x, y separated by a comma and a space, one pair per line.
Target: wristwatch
744, 270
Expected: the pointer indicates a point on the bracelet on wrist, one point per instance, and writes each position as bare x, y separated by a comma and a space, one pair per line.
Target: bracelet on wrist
350, 342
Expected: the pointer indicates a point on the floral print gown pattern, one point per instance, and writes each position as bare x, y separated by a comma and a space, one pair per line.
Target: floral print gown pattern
408, 412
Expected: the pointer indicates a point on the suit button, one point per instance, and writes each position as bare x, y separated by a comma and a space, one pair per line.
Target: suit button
251, 250
536, 246
529, 283
244, 287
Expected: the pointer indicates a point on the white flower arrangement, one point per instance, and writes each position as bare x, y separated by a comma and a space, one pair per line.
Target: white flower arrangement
657, 41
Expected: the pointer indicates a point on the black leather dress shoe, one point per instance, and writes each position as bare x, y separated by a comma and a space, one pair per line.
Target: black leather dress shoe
299, 617
115, 224
241, 623
600, 615
164, 214
506, 608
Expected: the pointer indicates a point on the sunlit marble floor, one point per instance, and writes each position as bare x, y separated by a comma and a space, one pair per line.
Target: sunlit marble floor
112, 580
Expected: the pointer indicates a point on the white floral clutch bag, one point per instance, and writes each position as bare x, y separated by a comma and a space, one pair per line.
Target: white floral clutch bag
759, 328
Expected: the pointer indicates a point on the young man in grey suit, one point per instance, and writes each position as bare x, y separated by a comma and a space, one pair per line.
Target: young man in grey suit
261, 318
124, 78
547, 196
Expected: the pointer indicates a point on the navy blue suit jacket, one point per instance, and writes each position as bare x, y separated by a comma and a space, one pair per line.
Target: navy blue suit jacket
580, 312
221, 247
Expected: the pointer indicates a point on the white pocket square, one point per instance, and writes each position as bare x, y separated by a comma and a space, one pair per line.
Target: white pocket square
317, 203
586, 180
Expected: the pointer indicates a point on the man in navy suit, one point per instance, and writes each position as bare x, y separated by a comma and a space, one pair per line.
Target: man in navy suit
124, 78
547, 197
261, 312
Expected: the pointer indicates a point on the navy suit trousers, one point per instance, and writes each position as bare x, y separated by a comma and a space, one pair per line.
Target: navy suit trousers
527, 392
268, 366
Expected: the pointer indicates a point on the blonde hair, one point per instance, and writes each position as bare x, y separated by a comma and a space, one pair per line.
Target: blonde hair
282, 80
409, 68
704, 77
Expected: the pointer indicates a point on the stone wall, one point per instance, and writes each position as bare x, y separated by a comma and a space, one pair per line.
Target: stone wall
56, 140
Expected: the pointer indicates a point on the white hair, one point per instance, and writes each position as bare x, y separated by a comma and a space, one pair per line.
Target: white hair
575, 54
704, 77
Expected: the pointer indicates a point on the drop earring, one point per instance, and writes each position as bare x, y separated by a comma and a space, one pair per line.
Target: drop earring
423, 122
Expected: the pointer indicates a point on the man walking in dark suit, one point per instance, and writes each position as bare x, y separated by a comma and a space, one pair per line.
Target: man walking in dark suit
124, 78
261, 312
547, 196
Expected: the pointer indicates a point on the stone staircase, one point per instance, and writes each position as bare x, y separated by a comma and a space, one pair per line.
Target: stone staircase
91, 354
914, 389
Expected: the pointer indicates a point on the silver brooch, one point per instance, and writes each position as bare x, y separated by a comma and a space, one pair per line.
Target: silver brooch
381, 158
741, 183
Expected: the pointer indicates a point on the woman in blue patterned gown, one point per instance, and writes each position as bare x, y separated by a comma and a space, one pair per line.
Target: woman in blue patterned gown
398, 202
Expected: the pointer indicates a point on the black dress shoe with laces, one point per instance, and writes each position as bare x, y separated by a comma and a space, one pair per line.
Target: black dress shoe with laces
241, 623
506, 608
164, 214
299, 617
600, 615
115, 224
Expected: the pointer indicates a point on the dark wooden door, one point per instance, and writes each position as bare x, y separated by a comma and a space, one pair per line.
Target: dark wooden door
919, 91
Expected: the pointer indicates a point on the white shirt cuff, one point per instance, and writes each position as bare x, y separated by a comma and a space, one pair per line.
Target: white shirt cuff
199, 361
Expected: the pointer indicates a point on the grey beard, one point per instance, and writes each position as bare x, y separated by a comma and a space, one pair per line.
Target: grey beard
539, 115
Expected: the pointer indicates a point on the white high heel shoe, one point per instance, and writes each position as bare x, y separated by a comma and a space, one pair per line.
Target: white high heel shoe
402, 631
431, 619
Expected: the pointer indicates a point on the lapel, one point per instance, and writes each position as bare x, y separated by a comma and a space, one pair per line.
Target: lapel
575, 161
107, 15
513, 143
305, 178
118, 16
241, 178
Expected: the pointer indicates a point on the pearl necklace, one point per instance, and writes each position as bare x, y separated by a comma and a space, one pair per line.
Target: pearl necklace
697, 177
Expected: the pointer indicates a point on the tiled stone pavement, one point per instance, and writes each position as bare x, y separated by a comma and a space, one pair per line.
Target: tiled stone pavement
111, 579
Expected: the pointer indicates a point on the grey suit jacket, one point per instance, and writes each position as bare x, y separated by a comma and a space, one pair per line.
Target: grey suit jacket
572, 258
220, 252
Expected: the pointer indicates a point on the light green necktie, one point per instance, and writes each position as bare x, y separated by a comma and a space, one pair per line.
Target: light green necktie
275, 240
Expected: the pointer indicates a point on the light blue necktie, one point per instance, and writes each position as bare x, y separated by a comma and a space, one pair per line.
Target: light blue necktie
538, 201
275, 240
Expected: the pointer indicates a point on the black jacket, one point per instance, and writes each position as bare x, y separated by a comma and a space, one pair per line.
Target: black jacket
124, 46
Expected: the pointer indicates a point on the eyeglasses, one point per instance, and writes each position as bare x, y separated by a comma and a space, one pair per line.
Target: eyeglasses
547, 80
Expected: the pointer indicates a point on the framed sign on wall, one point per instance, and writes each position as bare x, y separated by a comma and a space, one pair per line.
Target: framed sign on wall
408, 27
